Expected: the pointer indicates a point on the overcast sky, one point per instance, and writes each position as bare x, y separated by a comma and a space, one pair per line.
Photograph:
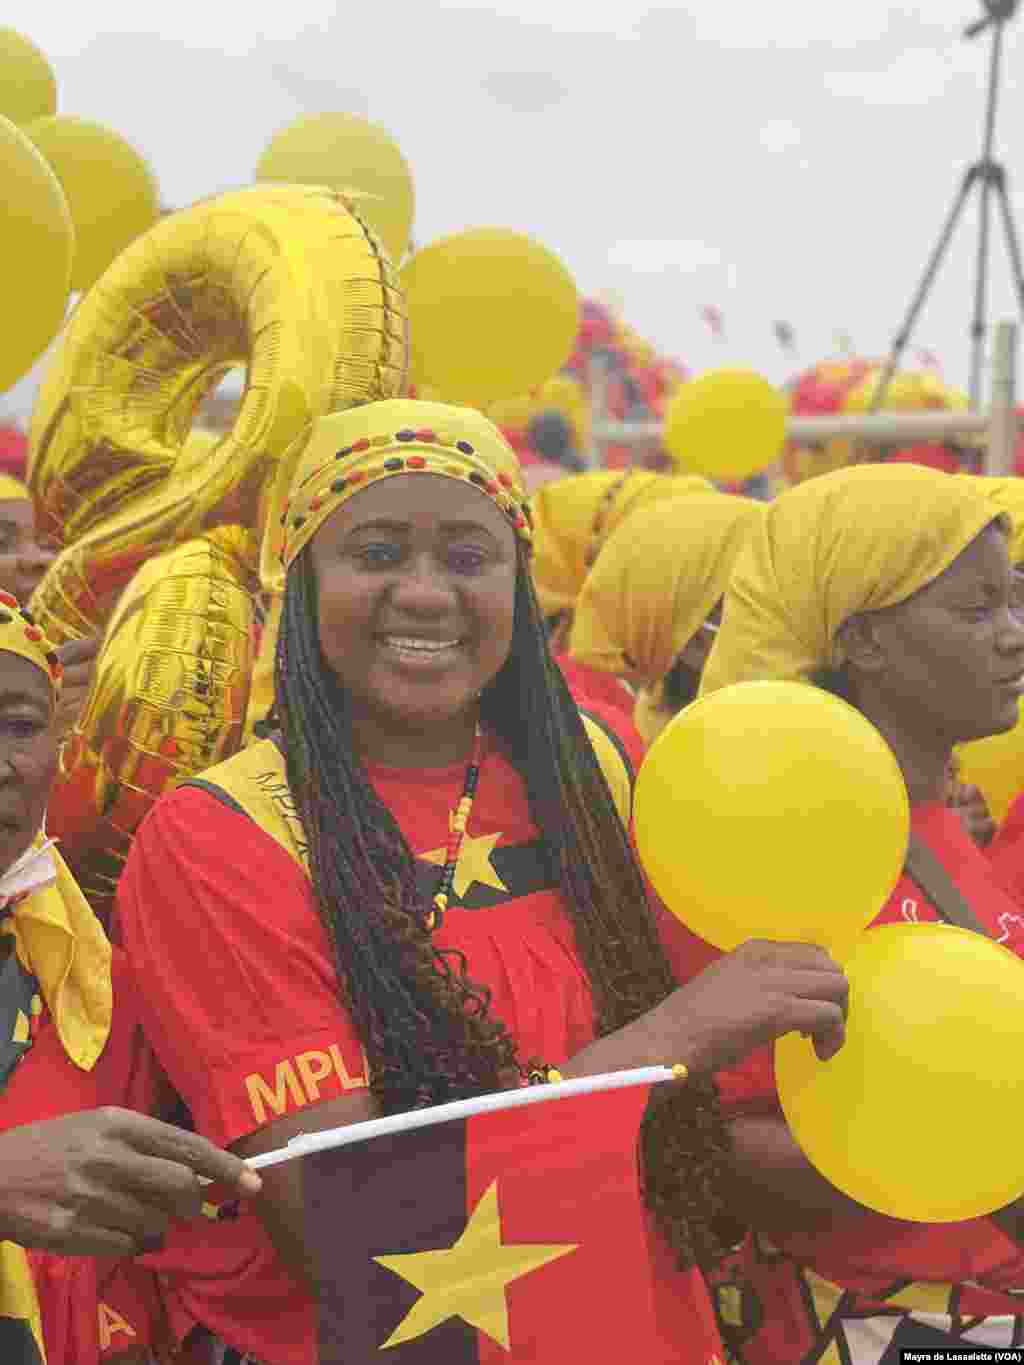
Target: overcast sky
786, 161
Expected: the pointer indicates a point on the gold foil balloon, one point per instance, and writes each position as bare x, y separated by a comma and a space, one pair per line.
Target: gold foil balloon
111, 191
28, 87
37, 243
169, 699
347, 153
493, 314
287, 282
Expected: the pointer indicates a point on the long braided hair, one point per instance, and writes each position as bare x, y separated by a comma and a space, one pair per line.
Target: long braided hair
426, 1025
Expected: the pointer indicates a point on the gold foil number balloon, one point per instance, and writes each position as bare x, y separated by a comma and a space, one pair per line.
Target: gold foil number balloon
286, 282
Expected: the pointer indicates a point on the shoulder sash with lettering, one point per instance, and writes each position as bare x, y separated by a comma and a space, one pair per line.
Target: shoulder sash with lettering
255, 783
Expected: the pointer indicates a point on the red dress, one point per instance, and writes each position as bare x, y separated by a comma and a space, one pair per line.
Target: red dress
959, 1271
241, 1004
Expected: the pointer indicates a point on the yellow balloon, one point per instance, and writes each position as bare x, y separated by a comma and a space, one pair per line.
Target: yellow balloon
492, 315
111, 191
916, 1117
28, 87
727, 424
772, 810
996, 765
37, 243
348, 153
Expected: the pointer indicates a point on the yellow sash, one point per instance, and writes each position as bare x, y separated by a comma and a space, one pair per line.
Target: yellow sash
256, 781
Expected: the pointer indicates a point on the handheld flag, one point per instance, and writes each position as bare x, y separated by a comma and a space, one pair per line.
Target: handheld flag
513, 1233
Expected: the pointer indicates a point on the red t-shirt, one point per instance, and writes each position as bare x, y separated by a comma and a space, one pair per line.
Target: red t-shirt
91, 1310
1006, 851
873, 1252
241, 1002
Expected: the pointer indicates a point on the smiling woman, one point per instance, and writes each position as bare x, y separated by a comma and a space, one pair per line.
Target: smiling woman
455, 901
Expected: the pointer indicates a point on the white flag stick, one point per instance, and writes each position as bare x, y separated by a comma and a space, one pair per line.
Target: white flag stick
306, 1143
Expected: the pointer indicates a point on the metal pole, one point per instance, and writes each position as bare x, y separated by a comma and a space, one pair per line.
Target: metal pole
1000, 454
985, 176
881, 429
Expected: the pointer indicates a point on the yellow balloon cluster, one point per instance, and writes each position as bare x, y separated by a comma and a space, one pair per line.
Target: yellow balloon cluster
935, 1035
814, 798
728, 424
75, 194
492, 315
353, 156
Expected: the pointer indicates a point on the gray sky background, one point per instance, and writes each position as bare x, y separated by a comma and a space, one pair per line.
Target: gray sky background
788, 160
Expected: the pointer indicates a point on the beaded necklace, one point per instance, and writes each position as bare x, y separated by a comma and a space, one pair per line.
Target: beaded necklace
457, 833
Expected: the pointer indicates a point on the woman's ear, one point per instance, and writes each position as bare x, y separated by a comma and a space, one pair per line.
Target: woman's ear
860, 646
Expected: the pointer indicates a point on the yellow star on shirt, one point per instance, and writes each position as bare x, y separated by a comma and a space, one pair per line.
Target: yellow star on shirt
469, 1279
474, 863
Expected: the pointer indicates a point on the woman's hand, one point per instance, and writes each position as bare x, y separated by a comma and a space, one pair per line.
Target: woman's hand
106, 1182
746, 999
750, 997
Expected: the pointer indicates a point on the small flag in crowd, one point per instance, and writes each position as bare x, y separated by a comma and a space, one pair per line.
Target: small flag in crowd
714, 319
785, 336
514, 1234
843, 343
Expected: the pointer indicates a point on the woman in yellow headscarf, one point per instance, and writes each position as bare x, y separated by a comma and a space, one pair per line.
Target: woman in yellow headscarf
892, 587
647, 612
574, 517
95, 1182
454, 904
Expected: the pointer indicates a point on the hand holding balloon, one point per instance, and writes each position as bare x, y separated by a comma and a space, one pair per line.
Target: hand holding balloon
750, 997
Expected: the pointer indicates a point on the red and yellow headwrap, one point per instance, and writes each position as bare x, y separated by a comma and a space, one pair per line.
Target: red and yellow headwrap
347, 451
19, 634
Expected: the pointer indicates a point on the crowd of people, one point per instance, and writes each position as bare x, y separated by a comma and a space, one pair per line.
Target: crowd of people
456, 902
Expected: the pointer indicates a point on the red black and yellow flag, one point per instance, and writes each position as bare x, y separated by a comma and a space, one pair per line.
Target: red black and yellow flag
511, 1236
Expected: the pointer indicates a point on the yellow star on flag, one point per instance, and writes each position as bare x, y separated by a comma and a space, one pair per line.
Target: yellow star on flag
469, 1279
474, 863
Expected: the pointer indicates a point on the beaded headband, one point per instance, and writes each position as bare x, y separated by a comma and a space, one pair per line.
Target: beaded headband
350, 450
19, 634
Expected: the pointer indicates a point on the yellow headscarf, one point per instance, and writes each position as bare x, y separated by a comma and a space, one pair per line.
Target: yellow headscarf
859, 539
13, 490
344, 452
656, 581
1008, 496
574, 516
349, 450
